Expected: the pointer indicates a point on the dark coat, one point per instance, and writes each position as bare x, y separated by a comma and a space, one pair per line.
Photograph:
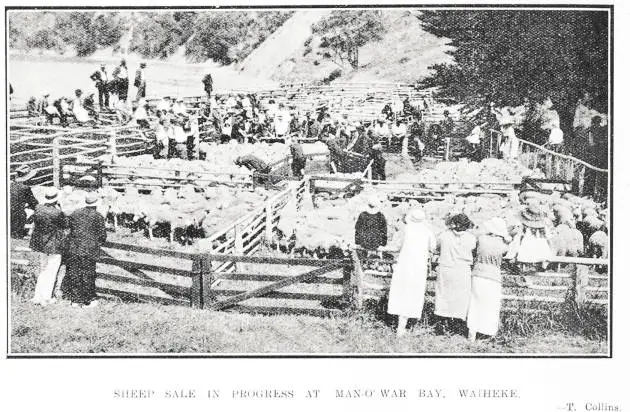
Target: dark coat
21, 195
255, 164
48, 229
370, 231
87, 232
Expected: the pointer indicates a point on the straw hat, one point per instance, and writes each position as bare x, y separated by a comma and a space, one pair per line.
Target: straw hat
416, 216
51, 195
533, 217
91, 199
496, 226
373, 204
24, 172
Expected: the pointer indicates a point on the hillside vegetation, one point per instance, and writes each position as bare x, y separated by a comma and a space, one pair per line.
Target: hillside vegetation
223, 36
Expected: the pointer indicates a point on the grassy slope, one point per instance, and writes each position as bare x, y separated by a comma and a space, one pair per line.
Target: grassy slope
144, 328
403, 55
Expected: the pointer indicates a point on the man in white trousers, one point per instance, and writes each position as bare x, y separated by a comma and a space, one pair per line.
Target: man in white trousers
47, 238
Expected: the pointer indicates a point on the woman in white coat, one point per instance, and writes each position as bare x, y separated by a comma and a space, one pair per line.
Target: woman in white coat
406, 293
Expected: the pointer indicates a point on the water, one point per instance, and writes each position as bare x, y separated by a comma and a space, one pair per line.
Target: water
60, 76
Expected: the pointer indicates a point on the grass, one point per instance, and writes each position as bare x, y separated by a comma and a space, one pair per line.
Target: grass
117, 327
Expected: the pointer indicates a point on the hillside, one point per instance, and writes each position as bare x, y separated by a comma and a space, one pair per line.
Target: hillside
403, 54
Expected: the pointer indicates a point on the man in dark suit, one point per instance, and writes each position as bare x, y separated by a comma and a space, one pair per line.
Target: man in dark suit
21, 196
47, 238
208, 84
101, 79
140, 81
87, 234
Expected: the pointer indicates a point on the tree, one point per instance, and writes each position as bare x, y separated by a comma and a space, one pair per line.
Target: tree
510, 55
343, 32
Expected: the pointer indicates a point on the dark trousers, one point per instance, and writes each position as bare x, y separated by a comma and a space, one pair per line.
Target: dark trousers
103, 95
79, 284
298, 166
123, 89
142, 91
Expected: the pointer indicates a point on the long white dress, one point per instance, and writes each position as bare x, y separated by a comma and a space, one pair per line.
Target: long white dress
79, 111
406, 293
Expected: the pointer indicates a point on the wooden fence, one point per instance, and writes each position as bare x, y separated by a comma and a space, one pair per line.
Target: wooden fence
44, 149
587, 180
577, 281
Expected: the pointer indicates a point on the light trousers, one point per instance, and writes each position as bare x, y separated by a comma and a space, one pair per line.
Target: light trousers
49, 267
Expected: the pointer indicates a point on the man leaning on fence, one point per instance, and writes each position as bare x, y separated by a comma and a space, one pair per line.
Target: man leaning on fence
87, 235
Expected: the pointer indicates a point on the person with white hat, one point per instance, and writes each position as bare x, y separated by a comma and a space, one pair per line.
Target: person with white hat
370, 230
87, 235
21, 197
47, 239
485, 300
409, 279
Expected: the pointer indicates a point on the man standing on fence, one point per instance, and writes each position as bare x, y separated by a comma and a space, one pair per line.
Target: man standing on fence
101, 79
48, 233
21, 196
140, 81
87, 235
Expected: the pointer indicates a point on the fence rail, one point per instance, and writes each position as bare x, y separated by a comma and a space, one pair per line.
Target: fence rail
581, 284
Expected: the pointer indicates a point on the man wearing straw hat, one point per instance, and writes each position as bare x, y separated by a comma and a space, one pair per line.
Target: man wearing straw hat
21, 196
48, 233
87, 235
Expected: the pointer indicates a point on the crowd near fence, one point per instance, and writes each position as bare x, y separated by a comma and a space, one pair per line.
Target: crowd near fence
54, 153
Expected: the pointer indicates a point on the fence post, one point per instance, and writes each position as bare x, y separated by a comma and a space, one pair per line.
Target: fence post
268, 222
581, 282
238, 246
348, 282
207, 278
112, 143
581, 178
56, 162
196, 289
447, 149
548, 166
357, 281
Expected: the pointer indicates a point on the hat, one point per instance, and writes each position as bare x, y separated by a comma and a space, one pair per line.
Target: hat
373, 204
459, 222
416, 216
24, 172
593, 222
377, 146
143, 64
446, 112
51, 195
46, 94
496, 226
90, 199
180, 99
533, 216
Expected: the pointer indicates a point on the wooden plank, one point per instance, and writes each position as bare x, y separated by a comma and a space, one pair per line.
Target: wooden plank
147, 250
276, 285
132, 266
166, 287
280, 294
139, 297
275, 278
533, 298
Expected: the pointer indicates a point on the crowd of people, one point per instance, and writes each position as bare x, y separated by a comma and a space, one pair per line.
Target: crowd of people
470, 260
113, 96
